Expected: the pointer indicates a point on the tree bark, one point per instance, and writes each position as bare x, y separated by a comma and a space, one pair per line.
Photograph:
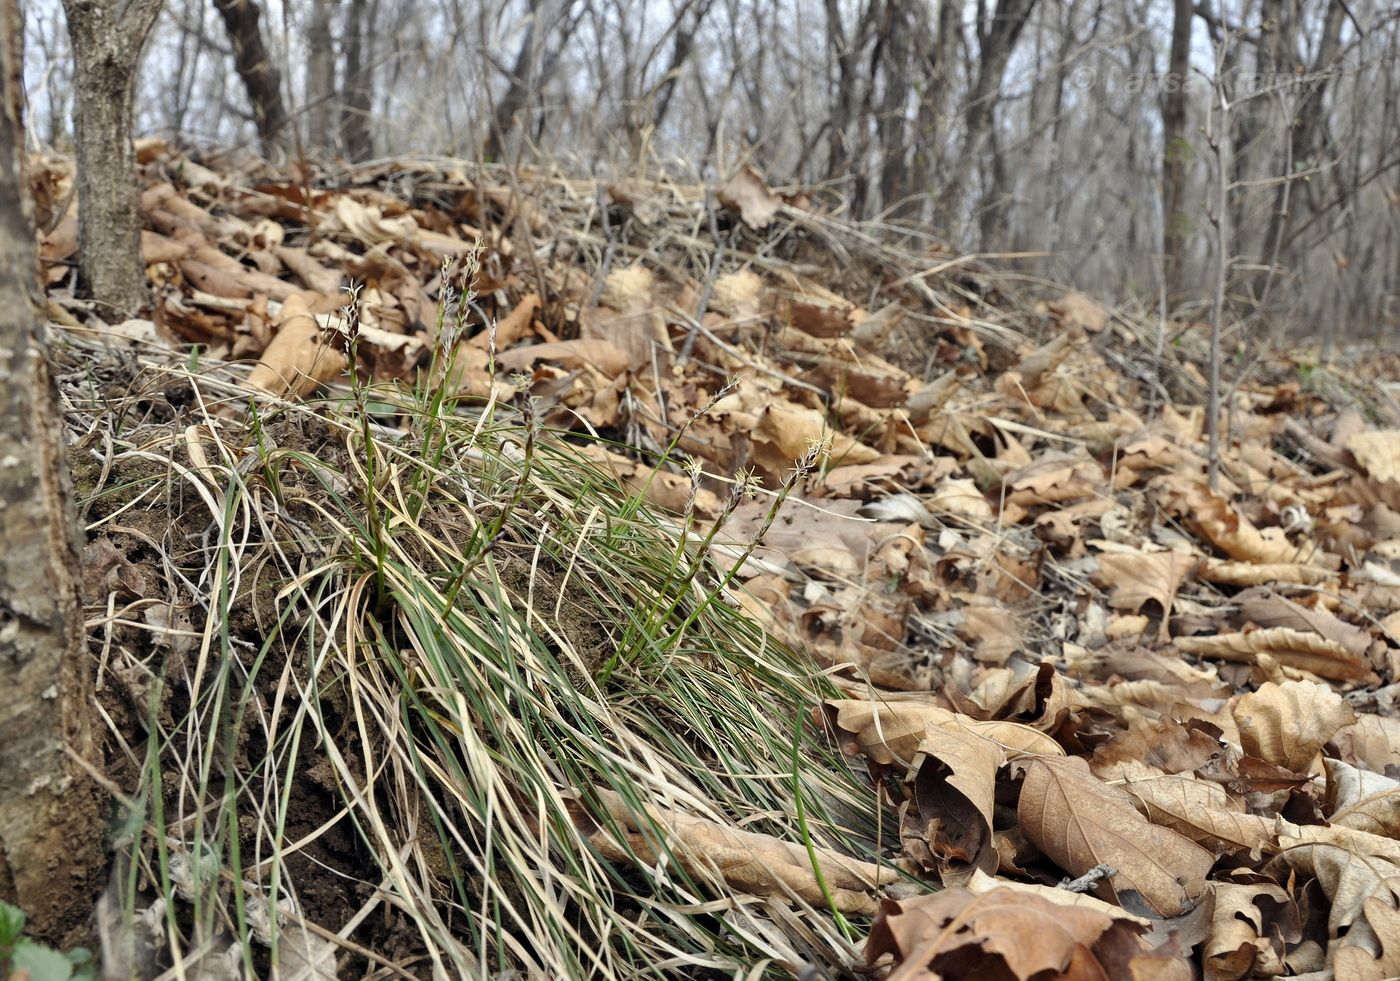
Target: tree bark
1305, 134
320, 77
355, 135
1175, 150
261, 79
518, 91
838, 163
52, 821
892, 124
939, 78
534, 66
996, 38
107, 41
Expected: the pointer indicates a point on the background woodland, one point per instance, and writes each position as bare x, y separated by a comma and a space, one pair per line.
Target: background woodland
1116, 144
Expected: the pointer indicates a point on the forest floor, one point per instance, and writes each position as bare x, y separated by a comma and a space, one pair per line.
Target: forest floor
690, 583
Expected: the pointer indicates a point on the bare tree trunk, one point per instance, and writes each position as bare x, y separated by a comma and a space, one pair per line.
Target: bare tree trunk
939, 78
355, 133
892, 124
320, 76
1175, 150
517, 94
997, 40
540, 53
843, 110
681, 50
255, 67
107, 40
1306, 127
52, 821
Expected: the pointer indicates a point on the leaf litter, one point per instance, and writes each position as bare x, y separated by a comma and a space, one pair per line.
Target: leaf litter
1087, 716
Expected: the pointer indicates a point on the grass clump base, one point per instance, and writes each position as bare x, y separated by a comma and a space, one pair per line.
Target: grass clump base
409, 688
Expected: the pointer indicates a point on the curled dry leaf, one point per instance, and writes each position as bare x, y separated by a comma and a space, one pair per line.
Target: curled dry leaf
1349, 866
1036, 695
1300, 649
1165, 744
513, 326
994, 633
981, 883
1080, 822
1362, 800
1378, 452
1288, 724
890, 733
1266, 608
946, 822
301, 355
1249, 929
789, 430
1226, 573
1055, 478
959, 496
1134, 577
743, 860
668, 491
1191, 498
754, 200
1373, 742
1373, 955
1004, 933
366, 223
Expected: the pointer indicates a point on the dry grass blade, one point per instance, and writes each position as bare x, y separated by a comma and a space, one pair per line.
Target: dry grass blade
413, 654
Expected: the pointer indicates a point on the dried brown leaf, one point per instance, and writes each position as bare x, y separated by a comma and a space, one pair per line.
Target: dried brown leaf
1002, 933
1249, 928
603, 355
994, 633
1373, 955
1373, 742
1191, 499
1266, 608
787, 431
1196, 809
1080, 822
889, 733
301, 355
1166, 745
946, 822
981, 883
1288, 724
1350, 866
744, 860
1227, 573
748, 194
1378, 452
1362, 800
1134, 577
1295, 648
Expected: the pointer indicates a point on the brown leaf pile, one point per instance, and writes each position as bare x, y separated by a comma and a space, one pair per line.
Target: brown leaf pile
1065, 656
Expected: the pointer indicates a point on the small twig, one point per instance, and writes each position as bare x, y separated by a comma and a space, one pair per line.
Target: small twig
607, 252
696, 327
1088, 880
715, 259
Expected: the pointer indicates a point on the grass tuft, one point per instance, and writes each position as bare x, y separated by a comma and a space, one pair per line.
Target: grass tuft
453, 642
